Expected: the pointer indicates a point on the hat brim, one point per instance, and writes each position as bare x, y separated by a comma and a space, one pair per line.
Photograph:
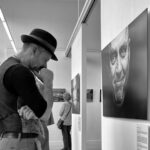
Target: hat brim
30, 39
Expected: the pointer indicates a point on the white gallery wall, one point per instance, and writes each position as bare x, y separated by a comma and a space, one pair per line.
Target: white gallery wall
119, 134
76, 68
66, 69
116, 15
89, 116
93, 60
62, 79
93, 123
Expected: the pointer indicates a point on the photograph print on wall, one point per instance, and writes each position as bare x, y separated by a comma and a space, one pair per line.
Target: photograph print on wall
124, 72
75, 92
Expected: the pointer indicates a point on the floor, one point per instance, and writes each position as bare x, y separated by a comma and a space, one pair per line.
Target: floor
53, 148
87, 149
60, 146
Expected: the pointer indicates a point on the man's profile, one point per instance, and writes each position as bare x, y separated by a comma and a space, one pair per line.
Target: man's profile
119, 57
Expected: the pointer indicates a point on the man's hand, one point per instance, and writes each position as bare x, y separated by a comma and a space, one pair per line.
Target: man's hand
47, 77
26, 113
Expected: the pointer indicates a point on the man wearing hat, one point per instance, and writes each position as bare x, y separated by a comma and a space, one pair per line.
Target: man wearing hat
17, 81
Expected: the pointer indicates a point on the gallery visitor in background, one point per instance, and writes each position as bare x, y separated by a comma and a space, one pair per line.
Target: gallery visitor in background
65, 114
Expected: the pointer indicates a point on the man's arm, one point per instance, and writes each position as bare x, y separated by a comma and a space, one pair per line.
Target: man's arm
21, 82
46, 90
26, 112
62, 109
65, 110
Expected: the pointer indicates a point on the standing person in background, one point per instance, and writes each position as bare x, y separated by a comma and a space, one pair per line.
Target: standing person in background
17, 81
65, 114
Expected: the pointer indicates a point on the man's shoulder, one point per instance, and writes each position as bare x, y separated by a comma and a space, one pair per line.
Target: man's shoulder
19, 70
11, 62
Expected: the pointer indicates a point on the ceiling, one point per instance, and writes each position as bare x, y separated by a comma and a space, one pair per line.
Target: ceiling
59, 17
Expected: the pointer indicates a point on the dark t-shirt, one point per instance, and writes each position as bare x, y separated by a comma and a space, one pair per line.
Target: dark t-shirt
21, 82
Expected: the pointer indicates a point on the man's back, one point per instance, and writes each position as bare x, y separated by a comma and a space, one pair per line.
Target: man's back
10, 120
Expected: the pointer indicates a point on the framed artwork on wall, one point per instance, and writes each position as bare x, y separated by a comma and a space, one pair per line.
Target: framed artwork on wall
124, 72
75, 92
100, 92
89, 95
58, 95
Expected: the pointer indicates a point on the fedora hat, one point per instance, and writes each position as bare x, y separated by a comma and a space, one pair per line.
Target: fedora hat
43, 39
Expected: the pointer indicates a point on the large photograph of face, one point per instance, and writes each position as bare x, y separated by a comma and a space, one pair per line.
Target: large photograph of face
75, 92
124, 72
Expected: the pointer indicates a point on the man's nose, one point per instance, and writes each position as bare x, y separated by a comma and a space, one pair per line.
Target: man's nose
118, 68
44, 66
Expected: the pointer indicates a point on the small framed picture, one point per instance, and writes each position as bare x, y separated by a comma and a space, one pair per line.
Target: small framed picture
89, 95
100, 95
58, 95
75, 91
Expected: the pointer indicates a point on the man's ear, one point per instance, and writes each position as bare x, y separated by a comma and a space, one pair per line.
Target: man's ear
35, 50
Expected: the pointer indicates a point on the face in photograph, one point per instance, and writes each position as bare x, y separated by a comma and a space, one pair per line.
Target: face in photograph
125, 72
119, 57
